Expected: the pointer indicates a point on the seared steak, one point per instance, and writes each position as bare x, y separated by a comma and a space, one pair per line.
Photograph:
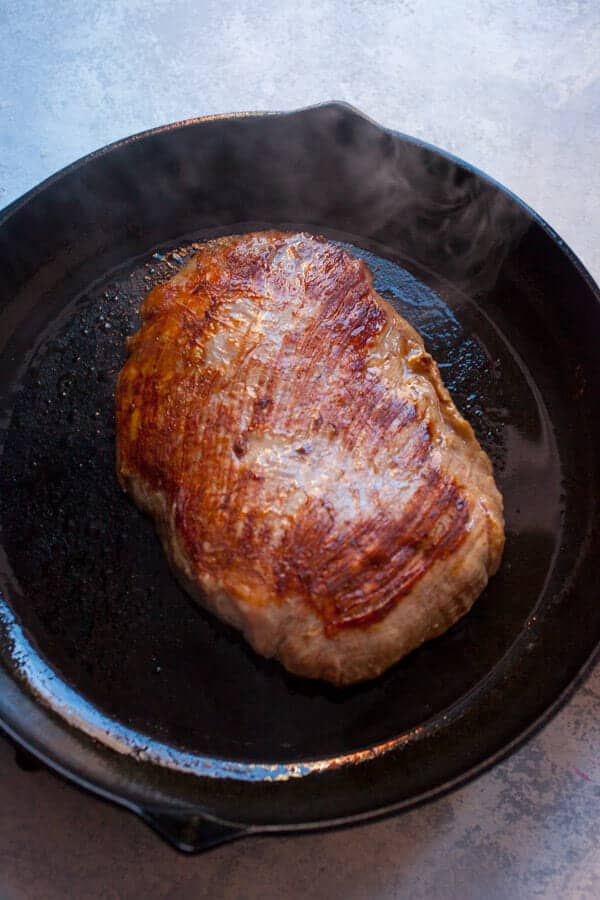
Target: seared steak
311, 480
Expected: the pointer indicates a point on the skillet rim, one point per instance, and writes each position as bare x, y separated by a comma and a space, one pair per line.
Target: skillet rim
19, 202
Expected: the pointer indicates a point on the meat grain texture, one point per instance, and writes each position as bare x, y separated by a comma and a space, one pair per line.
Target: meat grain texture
310, 478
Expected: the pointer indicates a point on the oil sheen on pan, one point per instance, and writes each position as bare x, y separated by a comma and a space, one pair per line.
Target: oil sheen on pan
309, 476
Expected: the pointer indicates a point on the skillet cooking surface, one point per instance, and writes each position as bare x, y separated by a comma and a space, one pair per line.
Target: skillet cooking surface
115, 623
500, 306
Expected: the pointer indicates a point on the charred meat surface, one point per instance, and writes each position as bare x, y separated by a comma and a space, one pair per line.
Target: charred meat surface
311, 480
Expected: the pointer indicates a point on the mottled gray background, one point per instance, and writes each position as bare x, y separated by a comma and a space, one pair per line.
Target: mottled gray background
513, 88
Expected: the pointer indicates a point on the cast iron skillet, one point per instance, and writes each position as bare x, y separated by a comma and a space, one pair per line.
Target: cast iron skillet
109, 673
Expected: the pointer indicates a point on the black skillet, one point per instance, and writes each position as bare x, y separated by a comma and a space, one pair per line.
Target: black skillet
109, 673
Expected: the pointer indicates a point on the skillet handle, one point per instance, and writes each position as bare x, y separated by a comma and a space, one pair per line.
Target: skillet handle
189, 832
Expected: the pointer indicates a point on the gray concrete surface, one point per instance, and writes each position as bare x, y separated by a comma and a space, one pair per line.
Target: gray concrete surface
513, 88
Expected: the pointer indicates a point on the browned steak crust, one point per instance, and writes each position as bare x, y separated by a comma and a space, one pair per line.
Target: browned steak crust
309, 475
